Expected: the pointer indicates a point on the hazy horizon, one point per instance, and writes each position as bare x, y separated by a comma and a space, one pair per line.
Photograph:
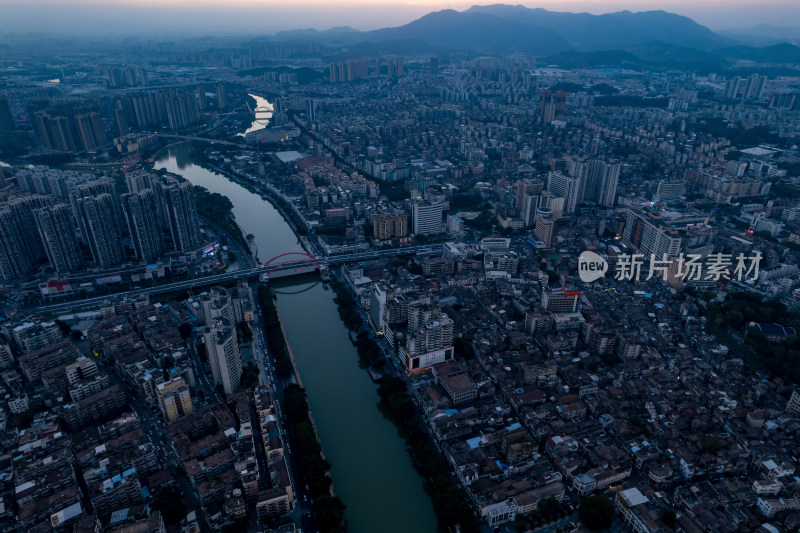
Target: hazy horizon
238, 17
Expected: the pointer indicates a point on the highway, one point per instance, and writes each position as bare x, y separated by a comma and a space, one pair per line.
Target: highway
290, 267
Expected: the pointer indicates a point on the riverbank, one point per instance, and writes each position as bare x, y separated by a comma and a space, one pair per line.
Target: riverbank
279, 203
450, 504
326, 507
370, 468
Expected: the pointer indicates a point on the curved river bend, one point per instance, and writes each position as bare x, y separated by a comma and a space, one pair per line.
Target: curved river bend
371, 470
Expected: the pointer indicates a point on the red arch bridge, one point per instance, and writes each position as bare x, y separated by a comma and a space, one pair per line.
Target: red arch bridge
294, 264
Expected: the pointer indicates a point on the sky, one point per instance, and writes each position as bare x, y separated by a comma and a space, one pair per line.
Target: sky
225, 17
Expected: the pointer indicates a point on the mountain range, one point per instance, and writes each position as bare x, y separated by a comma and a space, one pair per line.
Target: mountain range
642, 39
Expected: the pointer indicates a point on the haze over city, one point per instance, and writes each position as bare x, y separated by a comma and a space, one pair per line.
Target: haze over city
148, 17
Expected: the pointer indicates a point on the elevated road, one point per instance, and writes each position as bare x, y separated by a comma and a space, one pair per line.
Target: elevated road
290, 267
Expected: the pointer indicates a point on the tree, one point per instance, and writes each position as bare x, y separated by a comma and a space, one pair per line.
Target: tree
65, 329
548, 506
668, 517
185, 330
711, 444
596, 512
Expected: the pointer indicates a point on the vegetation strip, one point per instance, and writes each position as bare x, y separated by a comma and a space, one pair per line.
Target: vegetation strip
327, 508
449, 502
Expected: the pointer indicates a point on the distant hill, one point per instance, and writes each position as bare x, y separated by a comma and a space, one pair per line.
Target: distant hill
643, 40
763, 34
621, 30
777, 53
474, 31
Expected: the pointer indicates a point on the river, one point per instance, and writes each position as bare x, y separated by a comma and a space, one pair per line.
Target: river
371, 470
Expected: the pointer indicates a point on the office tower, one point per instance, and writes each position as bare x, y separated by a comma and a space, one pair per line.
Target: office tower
91, 130
732, 87
567, 187
222, 97
377, 71
222, 348
141, 217
98, 221
174, 399
181, 214
434, 65
56, 227
7, 121
181, 111
15, 261
427, 218
545, 226
202, 102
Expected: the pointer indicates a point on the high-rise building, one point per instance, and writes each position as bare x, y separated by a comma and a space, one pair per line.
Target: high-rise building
181, 111
647, 234
98, 221
91, 130
174, 399
545, 225
558, 100
22, 209
427, 217
222, 97
600, 185
141, 217
732, 87
217, 304
311, 110
386, 226
567, 187
754, 88
54, 132
434, 65
430, 338
15, 259
222, 348
181, 214
7, 121
794, 403
91, 189
56, 227
202, 101
524, 188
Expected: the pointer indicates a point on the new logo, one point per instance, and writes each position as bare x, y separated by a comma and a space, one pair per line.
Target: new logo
591, 267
